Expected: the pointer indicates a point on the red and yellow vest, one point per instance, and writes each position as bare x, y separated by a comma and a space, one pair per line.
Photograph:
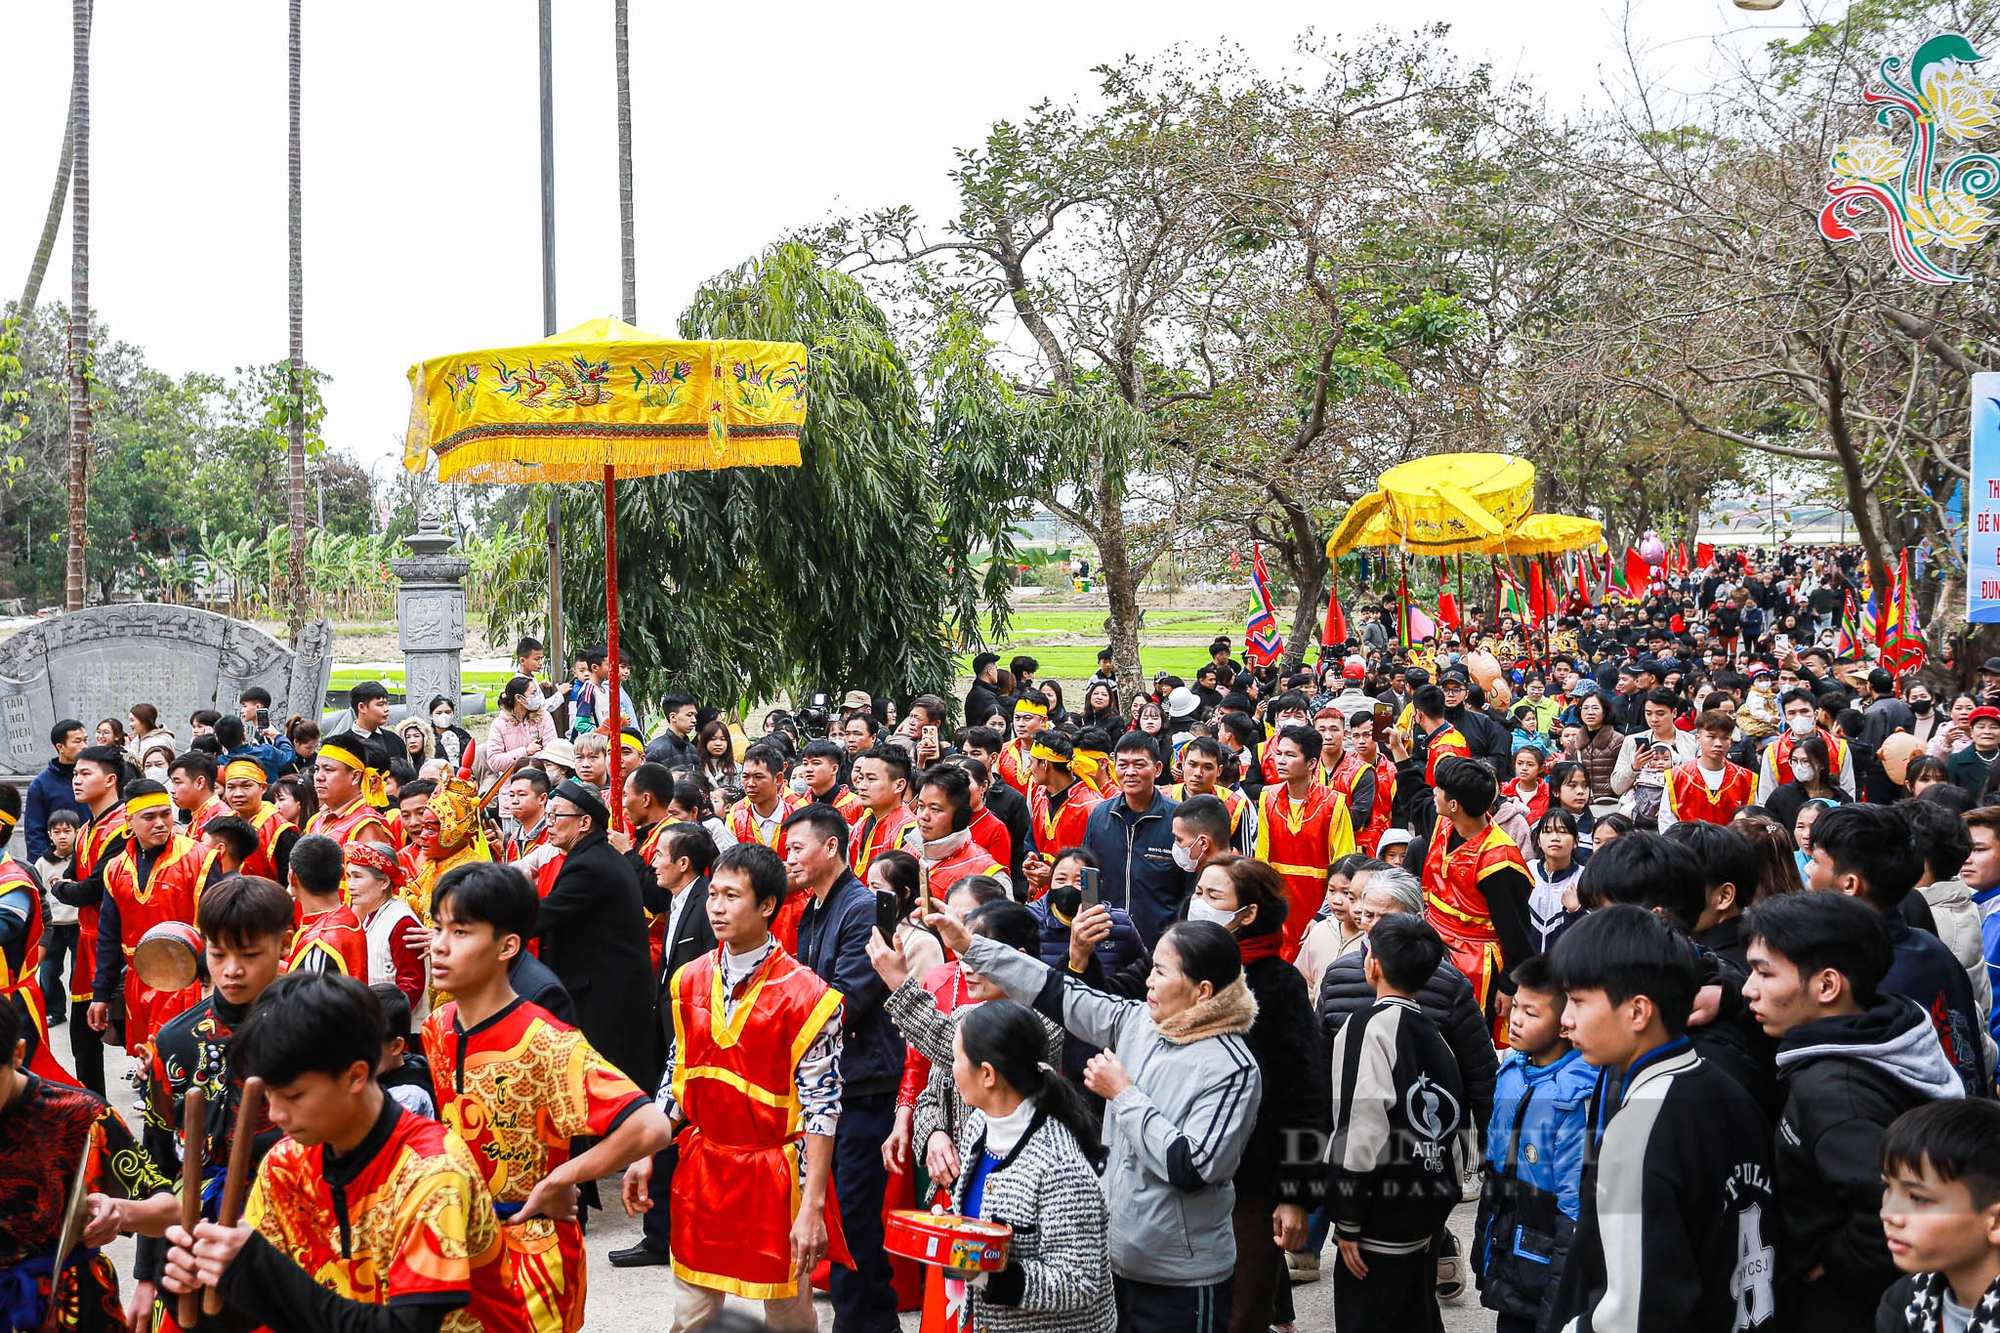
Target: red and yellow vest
1063, 826
359, 821
1689, 798
875, 835
92, 848
743, 821
169, 895
270, 826
1455, 904
17, 984
1300, 840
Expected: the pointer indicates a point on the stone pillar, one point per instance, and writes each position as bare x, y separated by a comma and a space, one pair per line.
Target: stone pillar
430, 612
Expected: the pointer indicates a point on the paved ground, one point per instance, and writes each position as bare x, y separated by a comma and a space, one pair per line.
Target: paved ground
640, 1300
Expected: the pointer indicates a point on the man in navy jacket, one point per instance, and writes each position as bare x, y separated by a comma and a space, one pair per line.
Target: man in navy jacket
1132, 837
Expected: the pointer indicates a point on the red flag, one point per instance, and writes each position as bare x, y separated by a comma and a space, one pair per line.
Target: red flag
1704, 555
1448, 610
1335, 632
1583, 580
1637, 573
1539, 605
1680, 558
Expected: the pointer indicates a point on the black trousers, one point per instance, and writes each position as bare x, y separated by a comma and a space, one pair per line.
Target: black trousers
86, 1047
657, 1221
1147, 1307
1397, 1294
864, 1297
58, 943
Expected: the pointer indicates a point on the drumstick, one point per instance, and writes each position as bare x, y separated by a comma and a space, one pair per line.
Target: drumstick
238, 1183
194, 1134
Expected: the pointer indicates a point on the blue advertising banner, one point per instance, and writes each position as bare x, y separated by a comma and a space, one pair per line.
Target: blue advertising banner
1982, 505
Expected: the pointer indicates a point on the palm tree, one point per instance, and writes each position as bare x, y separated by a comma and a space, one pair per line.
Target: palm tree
79, 307
31, 291
296, 447
625, 237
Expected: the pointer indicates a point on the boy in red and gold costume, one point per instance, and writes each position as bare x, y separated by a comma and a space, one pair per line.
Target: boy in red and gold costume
243, 788
191, 781
152, 881
1201, 775
518, 1084
1476, 884
767, 801
1031, 717
97, 783
361, 1203
330, 937
340, 779
944, 816
1059, 806
882, 781
1302, 829
1708, 789
755, 1064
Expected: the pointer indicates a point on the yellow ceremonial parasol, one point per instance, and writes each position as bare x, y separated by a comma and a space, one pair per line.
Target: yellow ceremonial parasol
1447, 504
604, 402
1548, 534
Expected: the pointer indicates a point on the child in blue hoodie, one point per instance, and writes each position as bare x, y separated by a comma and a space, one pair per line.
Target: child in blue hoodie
1534, 1156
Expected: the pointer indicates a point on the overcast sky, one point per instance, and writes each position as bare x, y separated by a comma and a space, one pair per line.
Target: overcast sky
422, 224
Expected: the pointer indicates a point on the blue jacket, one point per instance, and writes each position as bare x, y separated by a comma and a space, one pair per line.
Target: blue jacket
276, 756
833, 941
48, 793
1137, 855
1534, 1170
1115, 952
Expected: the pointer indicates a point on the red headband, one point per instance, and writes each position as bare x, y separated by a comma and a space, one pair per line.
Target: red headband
374, 858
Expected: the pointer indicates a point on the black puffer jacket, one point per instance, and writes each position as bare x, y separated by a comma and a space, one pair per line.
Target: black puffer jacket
1846, 1078
1446, 1000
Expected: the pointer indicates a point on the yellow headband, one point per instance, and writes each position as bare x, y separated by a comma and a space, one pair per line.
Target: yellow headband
1085, 763
340, 754
152, 800
7, 821
1046, 755
1031, 706
245, 768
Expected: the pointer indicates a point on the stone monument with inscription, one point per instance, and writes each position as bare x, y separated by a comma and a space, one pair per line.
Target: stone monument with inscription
98, 662
430, 613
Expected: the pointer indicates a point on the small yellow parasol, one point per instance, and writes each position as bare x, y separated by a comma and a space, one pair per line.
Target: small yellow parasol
1548, 534
603, 402
1447, 504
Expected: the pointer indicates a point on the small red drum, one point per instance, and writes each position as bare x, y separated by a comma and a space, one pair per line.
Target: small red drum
948, 1240
168, 957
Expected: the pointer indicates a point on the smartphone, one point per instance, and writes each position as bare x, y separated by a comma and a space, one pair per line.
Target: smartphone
1384, 711
886, 915
1089, 888
930, 737
263, 718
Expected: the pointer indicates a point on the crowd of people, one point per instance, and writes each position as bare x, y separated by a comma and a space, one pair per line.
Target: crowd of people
1663, 933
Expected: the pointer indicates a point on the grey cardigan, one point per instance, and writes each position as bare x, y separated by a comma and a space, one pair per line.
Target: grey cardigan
1174, 1137
1058, 1275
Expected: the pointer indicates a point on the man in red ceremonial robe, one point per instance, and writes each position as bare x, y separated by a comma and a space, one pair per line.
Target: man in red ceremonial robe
1031, 718
21, 949
340, 775
1366, 729
1433, 731
819, 765
1476, 884
243, 787
1708, 788
1201, 775
1059, 807
191, 781
882, 780
330, 937
766, 799
153, 880
96, 782
1350, 777
944, 815
1302, 829
753, 1067
518, 1084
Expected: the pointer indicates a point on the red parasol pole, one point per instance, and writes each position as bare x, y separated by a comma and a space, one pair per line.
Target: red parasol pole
617, 801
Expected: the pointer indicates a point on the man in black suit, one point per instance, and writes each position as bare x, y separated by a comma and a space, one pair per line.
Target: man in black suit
683, 856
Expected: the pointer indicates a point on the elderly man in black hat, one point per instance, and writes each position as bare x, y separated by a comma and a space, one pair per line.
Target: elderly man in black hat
592, 930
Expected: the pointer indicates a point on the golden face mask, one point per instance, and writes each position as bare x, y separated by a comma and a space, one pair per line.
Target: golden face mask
456, 805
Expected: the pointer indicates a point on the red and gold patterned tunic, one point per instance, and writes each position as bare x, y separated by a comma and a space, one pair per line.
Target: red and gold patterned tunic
99, 842
168, 895
211, 809
1456, 906
1370, 838
331, 941
1300, 839
1011, 766
518, 1088
42, 1138
1234, 800
736, 1186
414, 1221
270, 826
1057, 826
971, 859
358, 821
18, 963
1688, 796
876, 834
1447, 739
743, 820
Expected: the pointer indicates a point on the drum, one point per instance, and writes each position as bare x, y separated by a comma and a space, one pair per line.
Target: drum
948, 1240
168, 957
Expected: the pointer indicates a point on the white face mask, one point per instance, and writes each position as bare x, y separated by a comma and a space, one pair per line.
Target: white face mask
1801, 726
157, 772
441, 720
1804, 772
1200, 910
1185, 858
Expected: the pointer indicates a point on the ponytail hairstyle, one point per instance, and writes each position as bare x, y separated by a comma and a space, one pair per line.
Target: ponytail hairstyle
1009, 1037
